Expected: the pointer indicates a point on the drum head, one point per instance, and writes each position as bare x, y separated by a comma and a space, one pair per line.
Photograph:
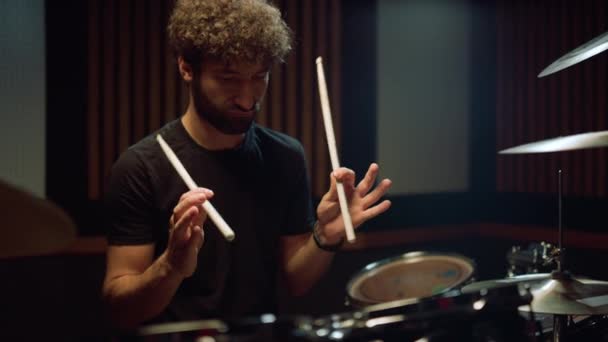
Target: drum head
409, 276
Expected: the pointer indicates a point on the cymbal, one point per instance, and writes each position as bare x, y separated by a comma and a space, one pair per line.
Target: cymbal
31, 225
570, 296
565, 143
521, 279
587, 50
556, 293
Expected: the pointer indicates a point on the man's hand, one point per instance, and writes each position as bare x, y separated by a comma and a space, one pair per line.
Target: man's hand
361, 202
186, 234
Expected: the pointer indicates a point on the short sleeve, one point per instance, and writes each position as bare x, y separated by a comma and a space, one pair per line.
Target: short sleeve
129, 203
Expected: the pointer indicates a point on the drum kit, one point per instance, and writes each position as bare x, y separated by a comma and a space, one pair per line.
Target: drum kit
425, 296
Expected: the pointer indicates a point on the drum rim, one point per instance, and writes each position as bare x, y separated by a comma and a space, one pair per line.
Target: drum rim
409, 255
182, 326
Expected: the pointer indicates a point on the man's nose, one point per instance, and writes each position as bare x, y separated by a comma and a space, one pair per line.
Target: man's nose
246, 98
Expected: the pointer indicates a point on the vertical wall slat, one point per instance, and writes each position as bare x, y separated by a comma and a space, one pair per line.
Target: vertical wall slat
500, 96
307, 76
589, 112
292, 62
335, 37
109, 77
170, 79
320, 142
124, 71
599, 89
139, 72
93, 100
153, 54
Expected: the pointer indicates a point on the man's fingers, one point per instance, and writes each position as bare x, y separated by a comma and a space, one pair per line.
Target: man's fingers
332, 193
345, 176
180, 232
197, 238
377, 193
192, 198
202, 213
376, 210
367, 182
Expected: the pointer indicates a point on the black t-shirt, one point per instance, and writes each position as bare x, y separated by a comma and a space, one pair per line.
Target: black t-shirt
262, 191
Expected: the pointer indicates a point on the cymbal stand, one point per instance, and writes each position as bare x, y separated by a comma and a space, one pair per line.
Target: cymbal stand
559, 321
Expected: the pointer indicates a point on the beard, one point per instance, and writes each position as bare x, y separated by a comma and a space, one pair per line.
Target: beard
218, 118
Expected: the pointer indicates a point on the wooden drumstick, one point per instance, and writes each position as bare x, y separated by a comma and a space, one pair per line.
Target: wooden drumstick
181, 170
333, 151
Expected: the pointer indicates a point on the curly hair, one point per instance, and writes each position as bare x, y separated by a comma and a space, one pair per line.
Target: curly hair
228, 30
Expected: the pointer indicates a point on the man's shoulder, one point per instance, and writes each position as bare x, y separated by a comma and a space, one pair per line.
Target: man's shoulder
146, 150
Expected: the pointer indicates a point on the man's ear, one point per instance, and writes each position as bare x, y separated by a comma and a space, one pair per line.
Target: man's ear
185, 69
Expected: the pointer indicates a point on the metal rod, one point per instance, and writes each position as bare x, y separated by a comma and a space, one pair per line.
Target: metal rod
559, 221
559, 327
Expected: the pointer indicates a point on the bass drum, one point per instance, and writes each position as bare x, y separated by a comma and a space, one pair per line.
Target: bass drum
412, 275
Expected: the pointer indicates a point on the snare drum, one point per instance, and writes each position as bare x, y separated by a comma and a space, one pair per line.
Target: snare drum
409, 276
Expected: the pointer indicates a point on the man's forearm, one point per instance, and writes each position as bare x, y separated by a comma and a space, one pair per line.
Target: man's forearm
305, 264
132, 299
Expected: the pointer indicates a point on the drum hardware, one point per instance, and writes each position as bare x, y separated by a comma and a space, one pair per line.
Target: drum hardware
537, 257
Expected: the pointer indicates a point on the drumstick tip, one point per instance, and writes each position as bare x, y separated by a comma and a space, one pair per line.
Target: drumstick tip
319, 60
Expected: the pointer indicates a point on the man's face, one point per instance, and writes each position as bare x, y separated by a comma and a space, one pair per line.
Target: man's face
228, 96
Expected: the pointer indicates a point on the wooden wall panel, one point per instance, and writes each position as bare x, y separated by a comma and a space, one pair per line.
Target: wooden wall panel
134, 87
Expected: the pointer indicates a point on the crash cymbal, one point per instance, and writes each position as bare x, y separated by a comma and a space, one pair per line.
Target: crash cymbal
31, 225
566, 143
568, 295
587, 50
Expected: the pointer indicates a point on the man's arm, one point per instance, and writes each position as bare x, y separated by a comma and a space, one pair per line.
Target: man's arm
137, 287
303, 261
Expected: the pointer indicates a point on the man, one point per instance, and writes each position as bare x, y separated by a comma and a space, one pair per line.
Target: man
165, 260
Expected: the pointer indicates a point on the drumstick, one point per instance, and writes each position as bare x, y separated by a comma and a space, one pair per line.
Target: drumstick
333, 151
213, 214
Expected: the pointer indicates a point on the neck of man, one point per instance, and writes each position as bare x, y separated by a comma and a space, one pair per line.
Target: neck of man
206, 135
